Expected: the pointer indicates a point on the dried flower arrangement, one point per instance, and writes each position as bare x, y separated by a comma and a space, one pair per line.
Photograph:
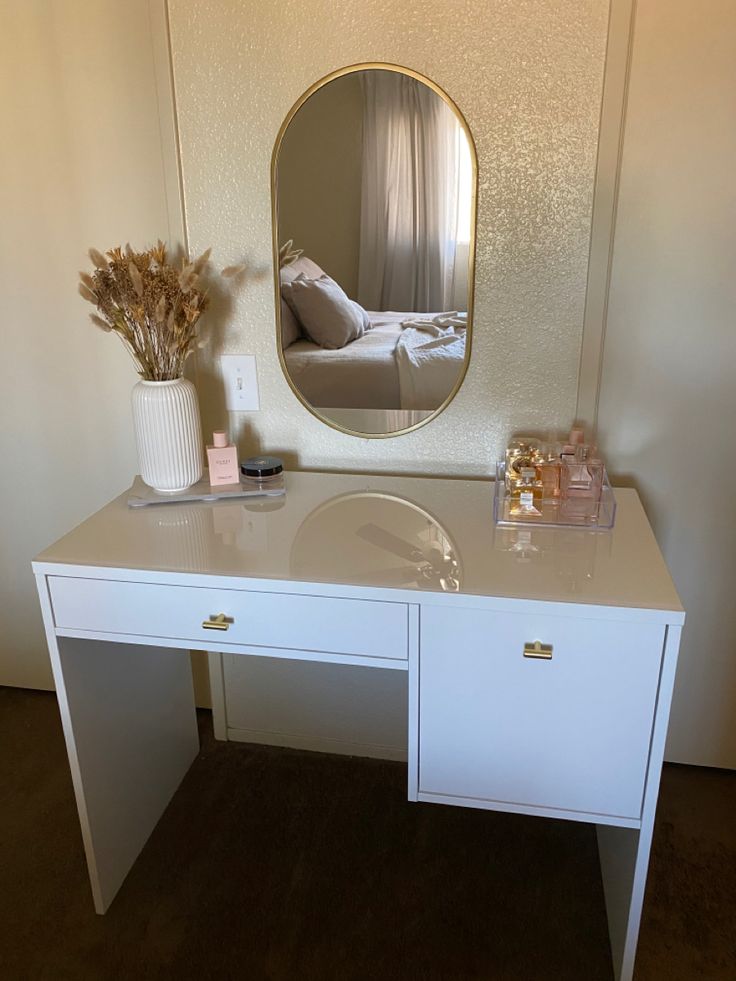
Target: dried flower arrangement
153, 305
288, 254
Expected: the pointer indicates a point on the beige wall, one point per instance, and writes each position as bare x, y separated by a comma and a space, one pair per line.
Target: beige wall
668, 396
81, 164
528, 79
319, 180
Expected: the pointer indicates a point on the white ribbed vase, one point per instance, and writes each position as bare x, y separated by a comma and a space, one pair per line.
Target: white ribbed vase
168, 434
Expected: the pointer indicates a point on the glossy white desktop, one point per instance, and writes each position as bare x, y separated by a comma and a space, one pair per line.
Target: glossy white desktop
541, 662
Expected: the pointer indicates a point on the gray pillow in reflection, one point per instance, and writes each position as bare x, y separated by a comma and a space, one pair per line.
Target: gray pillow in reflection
327, 314
290, 329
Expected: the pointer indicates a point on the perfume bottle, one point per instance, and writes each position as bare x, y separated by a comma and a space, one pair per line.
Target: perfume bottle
567, 454
222, 460
528, 480
527, 494
583, 476
577, 436
521, 452
572, 458
548, 470
577, 449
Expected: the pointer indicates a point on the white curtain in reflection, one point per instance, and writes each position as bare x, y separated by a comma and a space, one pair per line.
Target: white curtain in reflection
415, 200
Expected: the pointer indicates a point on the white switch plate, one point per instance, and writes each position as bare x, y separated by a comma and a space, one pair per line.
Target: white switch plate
241, 382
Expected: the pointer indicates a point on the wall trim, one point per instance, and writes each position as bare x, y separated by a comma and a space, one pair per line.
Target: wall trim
158, 15
173, 173
605, 200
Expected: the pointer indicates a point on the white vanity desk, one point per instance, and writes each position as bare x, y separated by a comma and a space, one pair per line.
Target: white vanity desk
399, 573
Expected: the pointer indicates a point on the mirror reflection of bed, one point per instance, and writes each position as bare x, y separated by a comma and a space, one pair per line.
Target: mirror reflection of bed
374, 179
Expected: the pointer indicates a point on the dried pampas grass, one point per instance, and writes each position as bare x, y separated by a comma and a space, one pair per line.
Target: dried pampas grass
153, 305
288, 254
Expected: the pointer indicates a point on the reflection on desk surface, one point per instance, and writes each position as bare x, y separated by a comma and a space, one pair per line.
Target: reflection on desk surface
374, 539
569, 554
408, 533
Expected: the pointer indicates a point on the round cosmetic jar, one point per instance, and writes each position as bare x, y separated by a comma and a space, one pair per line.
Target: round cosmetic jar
262, 468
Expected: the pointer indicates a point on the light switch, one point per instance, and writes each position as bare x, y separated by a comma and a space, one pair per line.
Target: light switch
241, 382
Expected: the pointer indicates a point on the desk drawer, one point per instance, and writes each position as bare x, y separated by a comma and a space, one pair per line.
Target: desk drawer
309, 623
570, 733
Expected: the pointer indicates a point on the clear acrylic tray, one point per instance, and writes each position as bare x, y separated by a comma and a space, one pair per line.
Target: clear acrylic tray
140, 495
572, 514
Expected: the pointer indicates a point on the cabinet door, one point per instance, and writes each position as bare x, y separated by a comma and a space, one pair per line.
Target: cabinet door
570, 733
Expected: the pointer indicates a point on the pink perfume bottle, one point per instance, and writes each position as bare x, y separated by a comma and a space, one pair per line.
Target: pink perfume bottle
582, 478
222, 459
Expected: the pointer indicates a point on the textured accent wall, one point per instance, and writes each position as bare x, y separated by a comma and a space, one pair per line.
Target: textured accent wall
528, 77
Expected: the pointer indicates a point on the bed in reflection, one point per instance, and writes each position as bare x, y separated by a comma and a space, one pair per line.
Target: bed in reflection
382, 369
363, 374
341, 356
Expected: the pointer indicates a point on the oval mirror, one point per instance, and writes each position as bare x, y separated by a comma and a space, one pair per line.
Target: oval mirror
373, 188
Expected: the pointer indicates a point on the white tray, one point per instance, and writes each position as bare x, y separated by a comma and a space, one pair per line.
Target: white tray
141, 494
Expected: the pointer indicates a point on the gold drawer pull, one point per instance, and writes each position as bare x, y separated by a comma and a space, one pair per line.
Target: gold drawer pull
217, 621
542, 651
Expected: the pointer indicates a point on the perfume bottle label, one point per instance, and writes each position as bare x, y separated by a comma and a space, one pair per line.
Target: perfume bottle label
526, 499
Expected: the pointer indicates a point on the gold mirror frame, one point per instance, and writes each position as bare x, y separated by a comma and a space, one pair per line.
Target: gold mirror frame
350, 69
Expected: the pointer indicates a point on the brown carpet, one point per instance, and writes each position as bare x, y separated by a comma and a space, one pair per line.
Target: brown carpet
276, 864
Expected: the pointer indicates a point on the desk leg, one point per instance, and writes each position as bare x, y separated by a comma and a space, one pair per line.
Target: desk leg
624, 852
217, 694
624, 857
413, 756
131, 734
